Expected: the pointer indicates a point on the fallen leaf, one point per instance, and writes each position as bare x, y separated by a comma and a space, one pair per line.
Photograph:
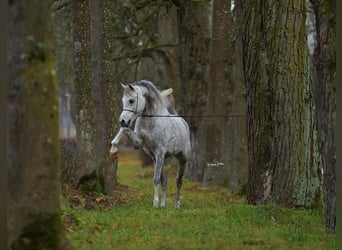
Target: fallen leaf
100, 199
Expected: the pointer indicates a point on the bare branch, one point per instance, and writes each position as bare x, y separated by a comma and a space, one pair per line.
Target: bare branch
143, 52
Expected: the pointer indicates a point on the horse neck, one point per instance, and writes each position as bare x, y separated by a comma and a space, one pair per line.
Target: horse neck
154, 108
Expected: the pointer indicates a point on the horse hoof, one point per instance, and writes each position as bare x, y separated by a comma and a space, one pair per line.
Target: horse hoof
177, 204
113, 152
113, 155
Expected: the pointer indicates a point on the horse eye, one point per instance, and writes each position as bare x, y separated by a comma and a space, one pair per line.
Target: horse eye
131, 101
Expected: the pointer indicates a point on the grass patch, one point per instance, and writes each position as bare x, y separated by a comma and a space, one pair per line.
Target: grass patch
207, 219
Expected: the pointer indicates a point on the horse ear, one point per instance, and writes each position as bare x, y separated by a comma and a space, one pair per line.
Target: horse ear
123, 86
130, 86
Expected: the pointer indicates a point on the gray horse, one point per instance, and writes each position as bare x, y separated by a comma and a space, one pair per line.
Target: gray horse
158, 130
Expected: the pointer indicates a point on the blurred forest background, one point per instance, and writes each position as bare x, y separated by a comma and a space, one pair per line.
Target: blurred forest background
265, 70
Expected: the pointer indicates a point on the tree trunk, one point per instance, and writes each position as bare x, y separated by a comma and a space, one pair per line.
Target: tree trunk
96, 119
103, 91
226, 136
194, 44
62, 23
283, 162
87, 175
324, 82
33, 143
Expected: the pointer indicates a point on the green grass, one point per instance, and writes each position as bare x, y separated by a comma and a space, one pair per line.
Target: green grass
208, 219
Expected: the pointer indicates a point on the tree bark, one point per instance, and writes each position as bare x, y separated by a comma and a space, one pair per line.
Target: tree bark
33, 140
238, 136
283, 161
96, 119
86, 175
324, 83
62, 23
194, 44
226, 136
104, 94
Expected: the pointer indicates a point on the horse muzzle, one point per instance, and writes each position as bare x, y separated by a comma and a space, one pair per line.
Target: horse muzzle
125, 124
125, 119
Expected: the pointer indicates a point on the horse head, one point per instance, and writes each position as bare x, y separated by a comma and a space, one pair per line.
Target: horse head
133, 102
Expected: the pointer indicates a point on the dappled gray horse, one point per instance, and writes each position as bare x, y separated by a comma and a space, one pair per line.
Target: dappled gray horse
158, 130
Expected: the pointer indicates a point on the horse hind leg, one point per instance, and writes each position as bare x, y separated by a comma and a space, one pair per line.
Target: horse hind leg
179, 180
164, 187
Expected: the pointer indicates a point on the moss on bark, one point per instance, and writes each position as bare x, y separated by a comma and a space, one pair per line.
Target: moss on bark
93, 182
44, 232
33, 152
283, 162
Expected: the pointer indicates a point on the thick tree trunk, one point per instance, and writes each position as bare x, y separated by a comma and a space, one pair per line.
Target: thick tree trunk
86, 175
283, 164
324, 82
103, 91
194, 44
33, 143
96, 118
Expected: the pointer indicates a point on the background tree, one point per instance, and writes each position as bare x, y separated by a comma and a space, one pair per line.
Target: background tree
210, 86
33, 142
283, 164
62, 23
62, 17
324, 82
225, 136
217, 104
237, 127
194, 44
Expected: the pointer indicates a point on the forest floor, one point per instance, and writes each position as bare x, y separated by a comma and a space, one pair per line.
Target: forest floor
207, 219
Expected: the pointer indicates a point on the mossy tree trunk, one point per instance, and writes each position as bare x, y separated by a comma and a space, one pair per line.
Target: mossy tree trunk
194, 45
33, 172
283, 159
104, 93
95, 97
324, 82
86, 174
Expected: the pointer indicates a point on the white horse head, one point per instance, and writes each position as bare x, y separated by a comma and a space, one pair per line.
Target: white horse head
133, 103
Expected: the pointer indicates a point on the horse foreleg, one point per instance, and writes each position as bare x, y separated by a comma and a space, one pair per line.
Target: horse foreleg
158, 168
113, 152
